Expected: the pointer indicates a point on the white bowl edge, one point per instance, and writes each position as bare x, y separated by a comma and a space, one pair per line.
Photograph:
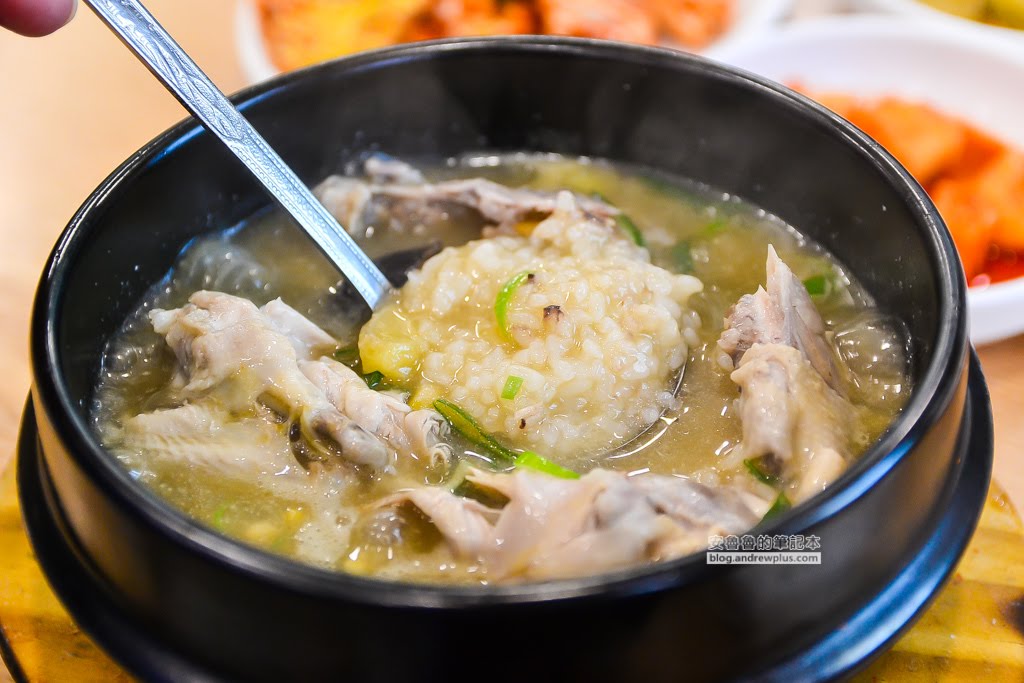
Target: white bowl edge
249, 44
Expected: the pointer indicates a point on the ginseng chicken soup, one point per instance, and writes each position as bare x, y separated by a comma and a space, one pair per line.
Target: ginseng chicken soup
590, 367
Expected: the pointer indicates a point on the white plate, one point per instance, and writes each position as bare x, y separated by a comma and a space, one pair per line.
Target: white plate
752, 18
249, 44
963, 73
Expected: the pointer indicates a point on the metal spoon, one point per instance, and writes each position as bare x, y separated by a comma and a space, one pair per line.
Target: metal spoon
175, 69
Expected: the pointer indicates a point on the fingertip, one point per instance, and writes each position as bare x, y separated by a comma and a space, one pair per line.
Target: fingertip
36, 18
72, 11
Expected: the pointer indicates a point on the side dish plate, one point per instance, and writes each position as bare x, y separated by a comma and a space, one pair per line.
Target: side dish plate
874, 56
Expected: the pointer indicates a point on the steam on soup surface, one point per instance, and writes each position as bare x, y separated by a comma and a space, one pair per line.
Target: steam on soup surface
601, 368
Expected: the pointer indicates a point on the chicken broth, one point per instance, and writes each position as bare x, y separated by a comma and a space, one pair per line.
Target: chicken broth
558, 334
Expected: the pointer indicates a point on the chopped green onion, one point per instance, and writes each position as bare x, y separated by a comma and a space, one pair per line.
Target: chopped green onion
754, 467
713, 228
683, 257
375, 380
346, 354
532, 461
512, 386
504, 297
459, 485
780, 505
819, 285
481, 494
629, 227
217, 519
463, 423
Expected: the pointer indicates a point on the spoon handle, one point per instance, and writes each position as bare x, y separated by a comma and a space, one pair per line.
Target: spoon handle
141, 32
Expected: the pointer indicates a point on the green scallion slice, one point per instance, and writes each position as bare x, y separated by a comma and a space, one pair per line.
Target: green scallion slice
629, 227
217, 519
532, 461
780, 505
713, 228
504, 298
463, 423
512, 386
375, 380
819, 285
753, 466
346, 354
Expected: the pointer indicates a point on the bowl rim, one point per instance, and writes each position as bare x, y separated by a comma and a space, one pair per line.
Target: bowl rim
928, 400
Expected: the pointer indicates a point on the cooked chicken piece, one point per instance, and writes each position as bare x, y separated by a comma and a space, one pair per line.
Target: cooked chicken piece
803, 326
823, 466
249, 354
784, 314
554, 527
498, 204
791, 417
308, 340
466, 524
349, 199
202, 435
765, 405
791, 406
693, 505
428, 432
418, 432
754, 319
645, 518
621, 529
383, 170
543, 514
225, 343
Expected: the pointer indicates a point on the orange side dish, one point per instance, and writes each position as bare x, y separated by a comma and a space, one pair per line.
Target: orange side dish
456, 18
302, 32
613, 19
976, 182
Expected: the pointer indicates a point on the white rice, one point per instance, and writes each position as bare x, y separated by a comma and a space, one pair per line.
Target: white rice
594, 371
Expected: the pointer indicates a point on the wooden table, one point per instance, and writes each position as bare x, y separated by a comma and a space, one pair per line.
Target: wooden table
75, 104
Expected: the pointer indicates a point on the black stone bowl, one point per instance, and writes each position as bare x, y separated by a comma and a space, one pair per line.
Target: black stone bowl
173, 600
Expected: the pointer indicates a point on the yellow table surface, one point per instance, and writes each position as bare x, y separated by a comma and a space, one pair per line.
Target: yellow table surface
75, 104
